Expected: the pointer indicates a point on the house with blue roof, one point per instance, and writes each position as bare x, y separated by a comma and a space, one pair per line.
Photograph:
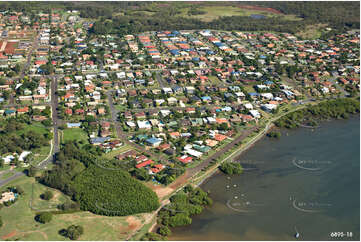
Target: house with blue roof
9, 112
73, 125
206, 99
99, 140
154, 142
141, 137
174, 52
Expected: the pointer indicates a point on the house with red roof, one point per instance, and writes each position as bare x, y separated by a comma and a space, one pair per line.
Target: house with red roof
185, 159
144, 163
22, 110
157, 168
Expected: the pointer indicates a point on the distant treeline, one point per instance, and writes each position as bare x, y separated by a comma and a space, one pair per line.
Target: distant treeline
338, 15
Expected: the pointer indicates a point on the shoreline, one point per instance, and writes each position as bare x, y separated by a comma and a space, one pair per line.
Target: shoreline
324, 127
197, 181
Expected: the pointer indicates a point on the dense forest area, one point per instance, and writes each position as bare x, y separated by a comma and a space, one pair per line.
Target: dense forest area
121, 17
101, 191
338, 108
337, 14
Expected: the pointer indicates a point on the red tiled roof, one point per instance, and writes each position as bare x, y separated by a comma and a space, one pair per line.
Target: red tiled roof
145, 163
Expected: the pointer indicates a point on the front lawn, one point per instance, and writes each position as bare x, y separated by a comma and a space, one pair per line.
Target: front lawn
72, 134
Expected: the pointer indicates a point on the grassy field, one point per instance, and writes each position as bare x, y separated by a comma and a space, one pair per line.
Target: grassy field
19, 223
121, 108
77, 134
114, 153
40, 154
311, 31
214, 80
249, 88
212, 10
7, 175
216, 11
35, 127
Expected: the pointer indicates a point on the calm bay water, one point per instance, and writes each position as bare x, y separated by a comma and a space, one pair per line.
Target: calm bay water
307, 181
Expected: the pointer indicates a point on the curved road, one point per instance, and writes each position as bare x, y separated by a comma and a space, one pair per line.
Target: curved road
55, 142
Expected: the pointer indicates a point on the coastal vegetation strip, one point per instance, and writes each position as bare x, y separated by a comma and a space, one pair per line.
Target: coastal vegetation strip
351, 105
186, 203
338, 108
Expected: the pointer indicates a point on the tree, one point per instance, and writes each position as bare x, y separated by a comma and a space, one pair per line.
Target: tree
44, 217
46, 122
47, 195
164, 230
231, 168
31, 172
152, 237
73, 232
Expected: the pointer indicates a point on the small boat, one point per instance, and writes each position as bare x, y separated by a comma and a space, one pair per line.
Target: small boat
297, 235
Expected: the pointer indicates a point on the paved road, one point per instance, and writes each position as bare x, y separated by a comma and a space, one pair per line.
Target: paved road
34, 47
16, 175
160, 80
54, 112
55, 141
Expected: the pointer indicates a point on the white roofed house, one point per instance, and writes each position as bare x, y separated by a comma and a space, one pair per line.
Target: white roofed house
267, 95
268, 107
255, 113
192, 152
144, 124
248, 106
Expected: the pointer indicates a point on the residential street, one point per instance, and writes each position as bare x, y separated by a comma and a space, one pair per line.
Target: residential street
122, 135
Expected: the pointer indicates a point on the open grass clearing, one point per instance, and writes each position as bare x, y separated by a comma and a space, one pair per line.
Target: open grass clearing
311, 31
19, 223
213, 12
214, 80
39, 154
249, 88
116, 152
74, 134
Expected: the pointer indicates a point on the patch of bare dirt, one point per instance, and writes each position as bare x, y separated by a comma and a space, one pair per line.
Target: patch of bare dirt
9, 235
133, 223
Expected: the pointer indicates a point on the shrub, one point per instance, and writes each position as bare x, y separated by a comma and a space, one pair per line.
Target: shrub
164, 230
44, 217
230, 168
69, 206
274, 134
73, 232
152, 237
179, 219
47, 195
